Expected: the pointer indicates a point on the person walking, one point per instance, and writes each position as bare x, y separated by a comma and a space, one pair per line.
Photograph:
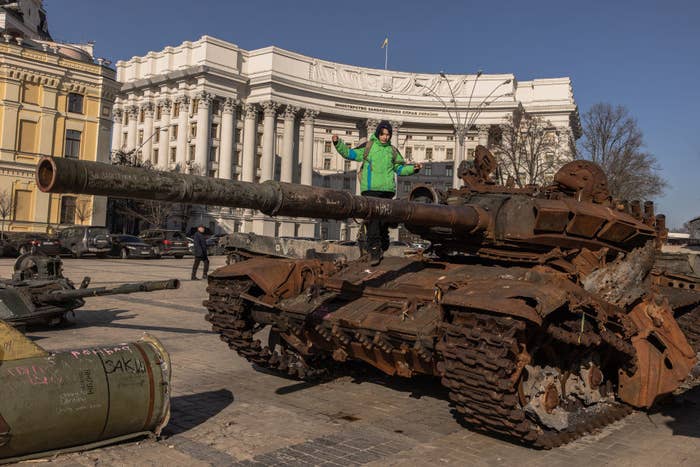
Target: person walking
380, 163
200, 253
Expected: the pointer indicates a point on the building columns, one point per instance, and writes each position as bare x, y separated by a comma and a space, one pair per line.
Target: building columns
183, 103
267, 165
147, 153
201, 154
249, 135
308, 228
395, 126
483, 135
164, 134
133, 112
228, 118
117, 115
287, 169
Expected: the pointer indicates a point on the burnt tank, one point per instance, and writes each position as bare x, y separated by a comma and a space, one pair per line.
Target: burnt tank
538, 312
39, 293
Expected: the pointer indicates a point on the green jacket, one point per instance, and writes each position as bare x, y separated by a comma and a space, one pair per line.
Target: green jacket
378, 168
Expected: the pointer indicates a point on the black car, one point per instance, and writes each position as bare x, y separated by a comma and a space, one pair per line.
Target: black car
166, 242
79, 240
129, 246
19, 243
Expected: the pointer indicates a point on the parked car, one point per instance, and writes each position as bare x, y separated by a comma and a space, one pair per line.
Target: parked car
79, 240
19, 243
166, 242
130, 246
190, 245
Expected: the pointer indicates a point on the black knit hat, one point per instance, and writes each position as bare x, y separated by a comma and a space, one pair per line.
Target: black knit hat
383, 124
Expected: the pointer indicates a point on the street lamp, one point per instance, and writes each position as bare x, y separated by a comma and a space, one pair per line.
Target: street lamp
462, 126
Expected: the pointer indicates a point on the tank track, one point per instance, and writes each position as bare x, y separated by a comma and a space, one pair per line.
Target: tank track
230, 316
483, 358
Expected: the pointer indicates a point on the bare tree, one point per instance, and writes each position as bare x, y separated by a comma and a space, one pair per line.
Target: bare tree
83, 210
529, 151
5, 208
612, 139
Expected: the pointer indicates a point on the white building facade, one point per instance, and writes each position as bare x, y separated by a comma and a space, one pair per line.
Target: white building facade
212, 108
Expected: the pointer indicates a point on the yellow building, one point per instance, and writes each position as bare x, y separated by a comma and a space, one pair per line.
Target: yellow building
54, 100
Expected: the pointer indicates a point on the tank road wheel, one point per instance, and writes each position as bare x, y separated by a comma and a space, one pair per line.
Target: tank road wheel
507, 377
231, 317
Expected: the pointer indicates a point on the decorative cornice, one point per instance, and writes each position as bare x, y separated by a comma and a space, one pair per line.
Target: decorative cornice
132, 110
269, 108
309, 116
205, 99
395, 124
165, 105
182, 99
371, 124
148, 108
117, 114
250, 111
230, 104
290, 112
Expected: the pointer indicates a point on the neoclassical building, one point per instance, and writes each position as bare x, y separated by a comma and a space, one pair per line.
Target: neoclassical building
213, 108
55, 99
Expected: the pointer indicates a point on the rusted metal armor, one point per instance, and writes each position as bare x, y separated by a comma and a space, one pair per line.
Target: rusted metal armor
539, 310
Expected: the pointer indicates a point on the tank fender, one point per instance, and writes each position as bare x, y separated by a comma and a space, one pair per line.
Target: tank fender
527, 300
280, 278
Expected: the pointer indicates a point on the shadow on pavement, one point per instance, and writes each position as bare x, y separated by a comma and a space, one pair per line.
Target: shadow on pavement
685, 411
109, 318
192, 410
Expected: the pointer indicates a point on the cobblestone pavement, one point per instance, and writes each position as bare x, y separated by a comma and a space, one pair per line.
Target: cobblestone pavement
225, 412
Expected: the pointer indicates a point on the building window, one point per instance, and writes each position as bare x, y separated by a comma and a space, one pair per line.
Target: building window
155, 156
449, 154
409, 152
448, 171
140, 137
327, 146
27, 136
212, 153
72, 144
156, 136
75, 103
470, 138
23, 205
408, 137
212, 174
173, 154
30, 93
346, 166
193, 130
326, 182
215, 105
348, 132
329, 130
214, 130
159, 112
428, 170
191, 154
195, 105
141, 115
326, 164
429, 138
429, 154
173, 133
176, 110
470, 152
68, 204
450, 138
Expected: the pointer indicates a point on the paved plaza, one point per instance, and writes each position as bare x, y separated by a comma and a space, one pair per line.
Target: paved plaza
225, 412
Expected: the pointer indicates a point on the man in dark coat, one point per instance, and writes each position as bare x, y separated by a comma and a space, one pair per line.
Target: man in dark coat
200, 253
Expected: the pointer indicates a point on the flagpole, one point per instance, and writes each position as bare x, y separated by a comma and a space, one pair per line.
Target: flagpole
386, 56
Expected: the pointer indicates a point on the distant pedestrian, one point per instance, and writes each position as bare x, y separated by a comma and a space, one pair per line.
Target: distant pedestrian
200, 253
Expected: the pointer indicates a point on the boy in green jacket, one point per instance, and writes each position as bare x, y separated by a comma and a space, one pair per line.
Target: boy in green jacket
379, 166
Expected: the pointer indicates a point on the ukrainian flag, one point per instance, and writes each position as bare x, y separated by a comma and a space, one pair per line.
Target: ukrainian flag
386, 42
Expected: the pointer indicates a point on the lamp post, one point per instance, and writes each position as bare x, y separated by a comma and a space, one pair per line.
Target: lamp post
461, 126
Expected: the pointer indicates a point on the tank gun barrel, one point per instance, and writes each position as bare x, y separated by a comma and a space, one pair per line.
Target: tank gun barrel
147, 286
60, 175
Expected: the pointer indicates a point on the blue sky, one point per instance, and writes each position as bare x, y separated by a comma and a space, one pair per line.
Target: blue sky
642, 54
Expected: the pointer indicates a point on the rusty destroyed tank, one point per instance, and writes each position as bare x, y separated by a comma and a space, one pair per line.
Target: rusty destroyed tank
539, 312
